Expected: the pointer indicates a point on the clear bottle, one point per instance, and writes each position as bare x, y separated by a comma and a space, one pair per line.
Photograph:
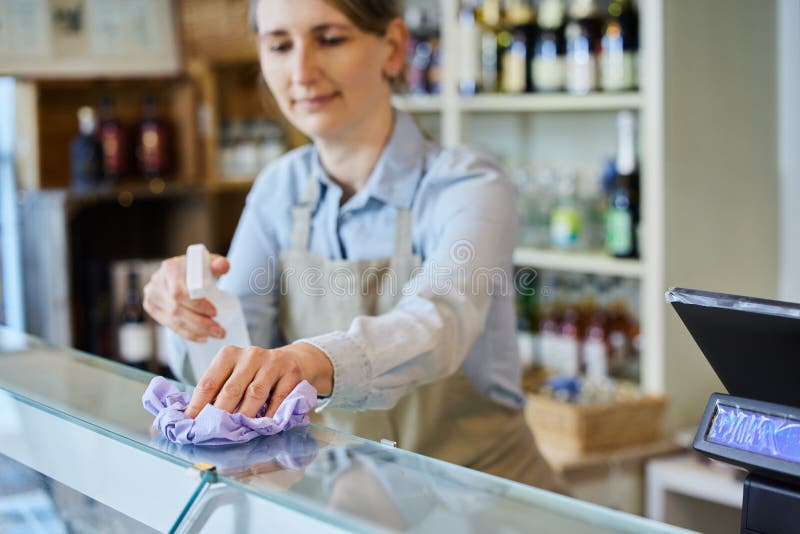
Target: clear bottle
515, 56
547, 67
565, 221
135, 332
469, 48
201, 284
583, 37
620, 47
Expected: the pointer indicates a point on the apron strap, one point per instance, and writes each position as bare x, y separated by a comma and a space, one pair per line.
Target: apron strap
301, 214
403, 235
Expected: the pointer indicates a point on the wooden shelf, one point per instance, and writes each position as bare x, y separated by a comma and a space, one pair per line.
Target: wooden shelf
580, 262
551, 102
228, 184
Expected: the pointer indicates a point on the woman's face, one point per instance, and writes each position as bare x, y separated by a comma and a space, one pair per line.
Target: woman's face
327, 75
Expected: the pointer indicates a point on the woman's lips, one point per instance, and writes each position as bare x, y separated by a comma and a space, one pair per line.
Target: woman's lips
315, 102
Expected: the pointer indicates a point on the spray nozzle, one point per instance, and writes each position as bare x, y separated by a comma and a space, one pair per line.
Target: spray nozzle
198, 271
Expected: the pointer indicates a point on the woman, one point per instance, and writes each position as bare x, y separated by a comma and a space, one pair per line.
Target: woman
383, 259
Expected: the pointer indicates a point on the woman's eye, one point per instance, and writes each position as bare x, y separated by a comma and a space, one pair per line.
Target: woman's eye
332, 41
279, 47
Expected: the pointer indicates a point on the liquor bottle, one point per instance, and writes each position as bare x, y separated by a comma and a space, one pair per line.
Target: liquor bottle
469, 49
595, 345
550, 332
620, 47
547, 66
618, 328
516, 55
86, 153
434, 74
583, 35
622, 216
135, 333
570, 338
154, 147
113, 137
490, 18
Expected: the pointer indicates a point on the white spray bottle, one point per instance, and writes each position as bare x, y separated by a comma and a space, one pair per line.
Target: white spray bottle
201, 284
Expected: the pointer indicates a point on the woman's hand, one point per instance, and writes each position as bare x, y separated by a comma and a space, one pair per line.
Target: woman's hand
249, 377
167, 300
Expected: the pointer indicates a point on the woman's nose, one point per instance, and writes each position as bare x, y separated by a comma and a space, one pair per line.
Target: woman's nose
305, 68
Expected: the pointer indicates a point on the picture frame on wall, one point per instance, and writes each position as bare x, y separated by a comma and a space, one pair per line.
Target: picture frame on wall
80, 38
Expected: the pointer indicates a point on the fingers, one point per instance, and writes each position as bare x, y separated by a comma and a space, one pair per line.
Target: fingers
246, 378
186, 323
167, 301
258, 391
219, 265
213, 379
235, 388
282, 390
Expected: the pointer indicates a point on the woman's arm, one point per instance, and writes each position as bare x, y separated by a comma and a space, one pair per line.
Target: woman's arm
471, 234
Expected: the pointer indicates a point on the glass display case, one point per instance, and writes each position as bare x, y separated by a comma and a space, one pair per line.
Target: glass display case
74, 425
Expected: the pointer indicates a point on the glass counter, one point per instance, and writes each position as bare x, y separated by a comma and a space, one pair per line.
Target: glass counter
78, 420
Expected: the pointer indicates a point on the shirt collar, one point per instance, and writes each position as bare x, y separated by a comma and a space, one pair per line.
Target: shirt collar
397, 173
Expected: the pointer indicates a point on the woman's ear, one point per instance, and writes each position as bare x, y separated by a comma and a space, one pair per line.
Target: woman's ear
397, 38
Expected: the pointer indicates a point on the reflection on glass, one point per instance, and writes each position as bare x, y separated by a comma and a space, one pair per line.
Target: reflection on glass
32, 502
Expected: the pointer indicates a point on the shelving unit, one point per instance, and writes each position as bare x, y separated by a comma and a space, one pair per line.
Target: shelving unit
708, 198
690, 160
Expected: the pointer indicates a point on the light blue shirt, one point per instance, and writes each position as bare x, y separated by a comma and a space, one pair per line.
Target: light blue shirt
458, 313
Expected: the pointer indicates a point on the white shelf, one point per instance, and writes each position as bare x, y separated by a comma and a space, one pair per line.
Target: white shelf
553, 102
580, 262
418, 103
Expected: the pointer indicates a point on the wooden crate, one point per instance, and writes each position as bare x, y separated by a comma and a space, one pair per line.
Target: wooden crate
577, 428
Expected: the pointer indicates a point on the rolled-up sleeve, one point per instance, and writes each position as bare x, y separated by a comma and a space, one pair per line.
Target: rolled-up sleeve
465, 221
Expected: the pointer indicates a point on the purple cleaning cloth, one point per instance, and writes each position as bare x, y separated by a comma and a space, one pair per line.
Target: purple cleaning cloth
213, 426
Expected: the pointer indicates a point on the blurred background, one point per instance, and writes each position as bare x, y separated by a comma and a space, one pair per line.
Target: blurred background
653, 143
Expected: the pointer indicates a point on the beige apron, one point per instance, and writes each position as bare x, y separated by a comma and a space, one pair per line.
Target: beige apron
448, 419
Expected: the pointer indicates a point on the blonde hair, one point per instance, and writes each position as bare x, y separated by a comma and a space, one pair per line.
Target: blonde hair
371, 16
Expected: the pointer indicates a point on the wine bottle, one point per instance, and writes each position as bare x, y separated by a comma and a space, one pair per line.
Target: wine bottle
547, 66
155, 143
86, 153
620, 47
622, 216
490, 18
135, 333
113, 137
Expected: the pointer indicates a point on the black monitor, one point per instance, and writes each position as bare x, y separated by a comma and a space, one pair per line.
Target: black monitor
753, 344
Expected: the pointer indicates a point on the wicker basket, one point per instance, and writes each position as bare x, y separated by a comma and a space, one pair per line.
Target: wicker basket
576, 428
